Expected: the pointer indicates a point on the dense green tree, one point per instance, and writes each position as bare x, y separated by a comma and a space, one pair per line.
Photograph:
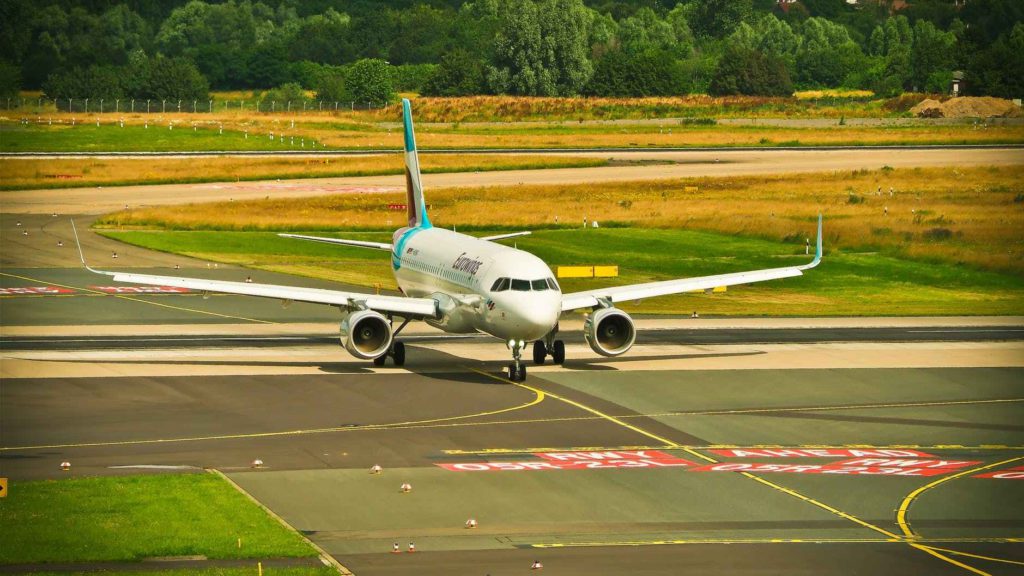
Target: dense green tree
603, 35
648, 74
459, 74
932, 52
749, 72
267, 65
999, 69
826, 55
718, 18
174, 79
322, 38
541, 49
421, 35
368, 80
331, 88
644, 32
10, 80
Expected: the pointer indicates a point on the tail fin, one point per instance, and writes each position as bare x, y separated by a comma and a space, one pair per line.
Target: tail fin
417, 208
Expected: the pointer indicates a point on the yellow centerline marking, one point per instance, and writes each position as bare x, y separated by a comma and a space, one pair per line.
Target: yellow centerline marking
842, 407
670, 444
978, 556
447, 421
952, 561
901, 513
664, 542
123, 297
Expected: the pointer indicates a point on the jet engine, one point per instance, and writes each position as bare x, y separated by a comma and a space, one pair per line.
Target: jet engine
609, 331
366, 334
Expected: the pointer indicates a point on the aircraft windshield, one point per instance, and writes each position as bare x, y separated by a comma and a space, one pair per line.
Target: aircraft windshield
541, 285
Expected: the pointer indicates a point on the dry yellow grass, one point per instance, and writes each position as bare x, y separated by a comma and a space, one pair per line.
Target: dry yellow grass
971, 216
832, 93
26, 173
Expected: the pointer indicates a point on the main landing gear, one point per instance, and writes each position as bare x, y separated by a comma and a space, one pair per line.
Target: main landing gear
397, 350
549, 347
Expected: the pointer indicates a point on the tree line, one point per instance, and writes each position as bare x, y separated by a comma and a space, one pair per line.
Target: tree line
364, 50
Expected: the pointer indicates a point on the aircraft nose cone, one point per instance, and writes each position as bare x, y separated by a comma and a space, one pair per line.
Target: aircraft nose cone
537, 318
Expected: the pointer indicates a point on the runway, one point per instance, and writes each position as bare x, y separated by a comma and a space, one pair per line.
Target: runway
734, 162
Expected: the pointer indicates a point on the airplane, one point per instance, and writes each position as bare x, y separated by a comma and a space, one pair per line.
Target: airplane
463, 284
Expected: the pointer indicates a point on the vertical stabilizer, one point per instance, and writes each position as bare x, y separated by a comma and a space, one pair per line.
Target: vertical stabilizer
417, 208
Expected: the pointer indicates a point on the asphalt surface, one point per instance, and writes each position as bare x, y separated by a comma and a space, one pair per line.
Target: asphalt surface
734, 162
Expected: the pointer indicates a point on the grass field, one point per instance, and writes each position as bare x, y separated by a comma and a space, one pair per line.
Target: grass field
847, 282
129, 518
970, 217
252, 571
30, 173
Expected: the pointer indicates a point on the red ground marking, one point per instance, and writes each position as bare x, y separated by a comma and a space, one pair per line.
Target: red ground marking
818, 453
821, 469
141, 289
615, 455
34, 290
569, 465
905, 463
1015, 473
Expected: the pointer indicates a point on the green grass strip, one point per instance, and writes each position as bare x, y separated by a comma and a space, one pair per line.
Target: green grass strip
129, 518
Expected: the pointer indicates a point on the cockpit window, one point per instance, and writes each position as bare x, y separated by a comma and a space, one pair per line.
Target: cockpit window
521, 285
552, 284
500, 285
539, 285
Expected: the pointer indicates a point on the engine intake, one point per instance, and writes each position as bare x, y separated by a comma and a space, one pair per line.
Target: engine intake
366, 334
609, 331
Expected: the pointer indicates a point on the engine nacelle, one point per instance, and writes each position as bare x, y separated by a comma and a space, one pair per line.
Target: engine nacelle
366, 334
609, 331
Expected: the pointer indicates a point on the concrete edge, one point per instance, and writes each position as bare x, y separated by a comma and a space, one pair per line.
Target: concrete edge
324, 556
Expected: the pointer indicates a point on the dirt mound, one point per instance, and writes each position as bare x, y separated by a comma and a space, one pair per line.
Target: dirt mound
967, 107
927, 108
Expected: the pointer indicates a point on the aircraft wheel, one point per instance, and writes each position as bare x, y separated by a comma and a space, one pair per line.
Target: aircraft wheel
380, 360
540, 352
399, 353
558, 353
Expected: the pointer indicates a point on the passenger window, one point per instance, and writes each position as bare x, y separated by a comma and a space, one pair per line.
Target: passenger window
552, 284
521, 285
540, 285
500, 285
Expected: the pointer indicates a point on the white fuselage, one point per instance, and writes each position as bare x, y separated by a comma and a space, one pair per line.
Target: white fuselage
465, 275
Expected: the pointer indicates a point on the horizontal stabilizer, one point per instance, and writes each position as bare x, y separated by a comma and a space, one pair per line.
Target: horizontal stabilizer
341, 241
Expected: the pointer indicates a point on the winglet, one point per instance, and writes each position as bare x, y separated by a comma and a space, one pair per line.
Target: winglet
817, 250
81, 255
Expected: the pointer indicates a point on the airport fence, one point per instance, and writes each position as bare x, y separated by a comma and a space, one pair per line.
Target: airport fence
162, 106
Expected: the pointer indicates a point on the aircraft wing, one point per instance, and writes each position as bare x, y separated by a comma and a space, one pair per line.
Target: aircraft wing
400, 305
597, 297
504, 236
341, 241
416, 307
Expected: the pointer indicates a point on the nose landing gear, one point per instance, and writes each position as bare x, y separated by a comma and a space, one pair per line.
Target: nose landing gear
516, 370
